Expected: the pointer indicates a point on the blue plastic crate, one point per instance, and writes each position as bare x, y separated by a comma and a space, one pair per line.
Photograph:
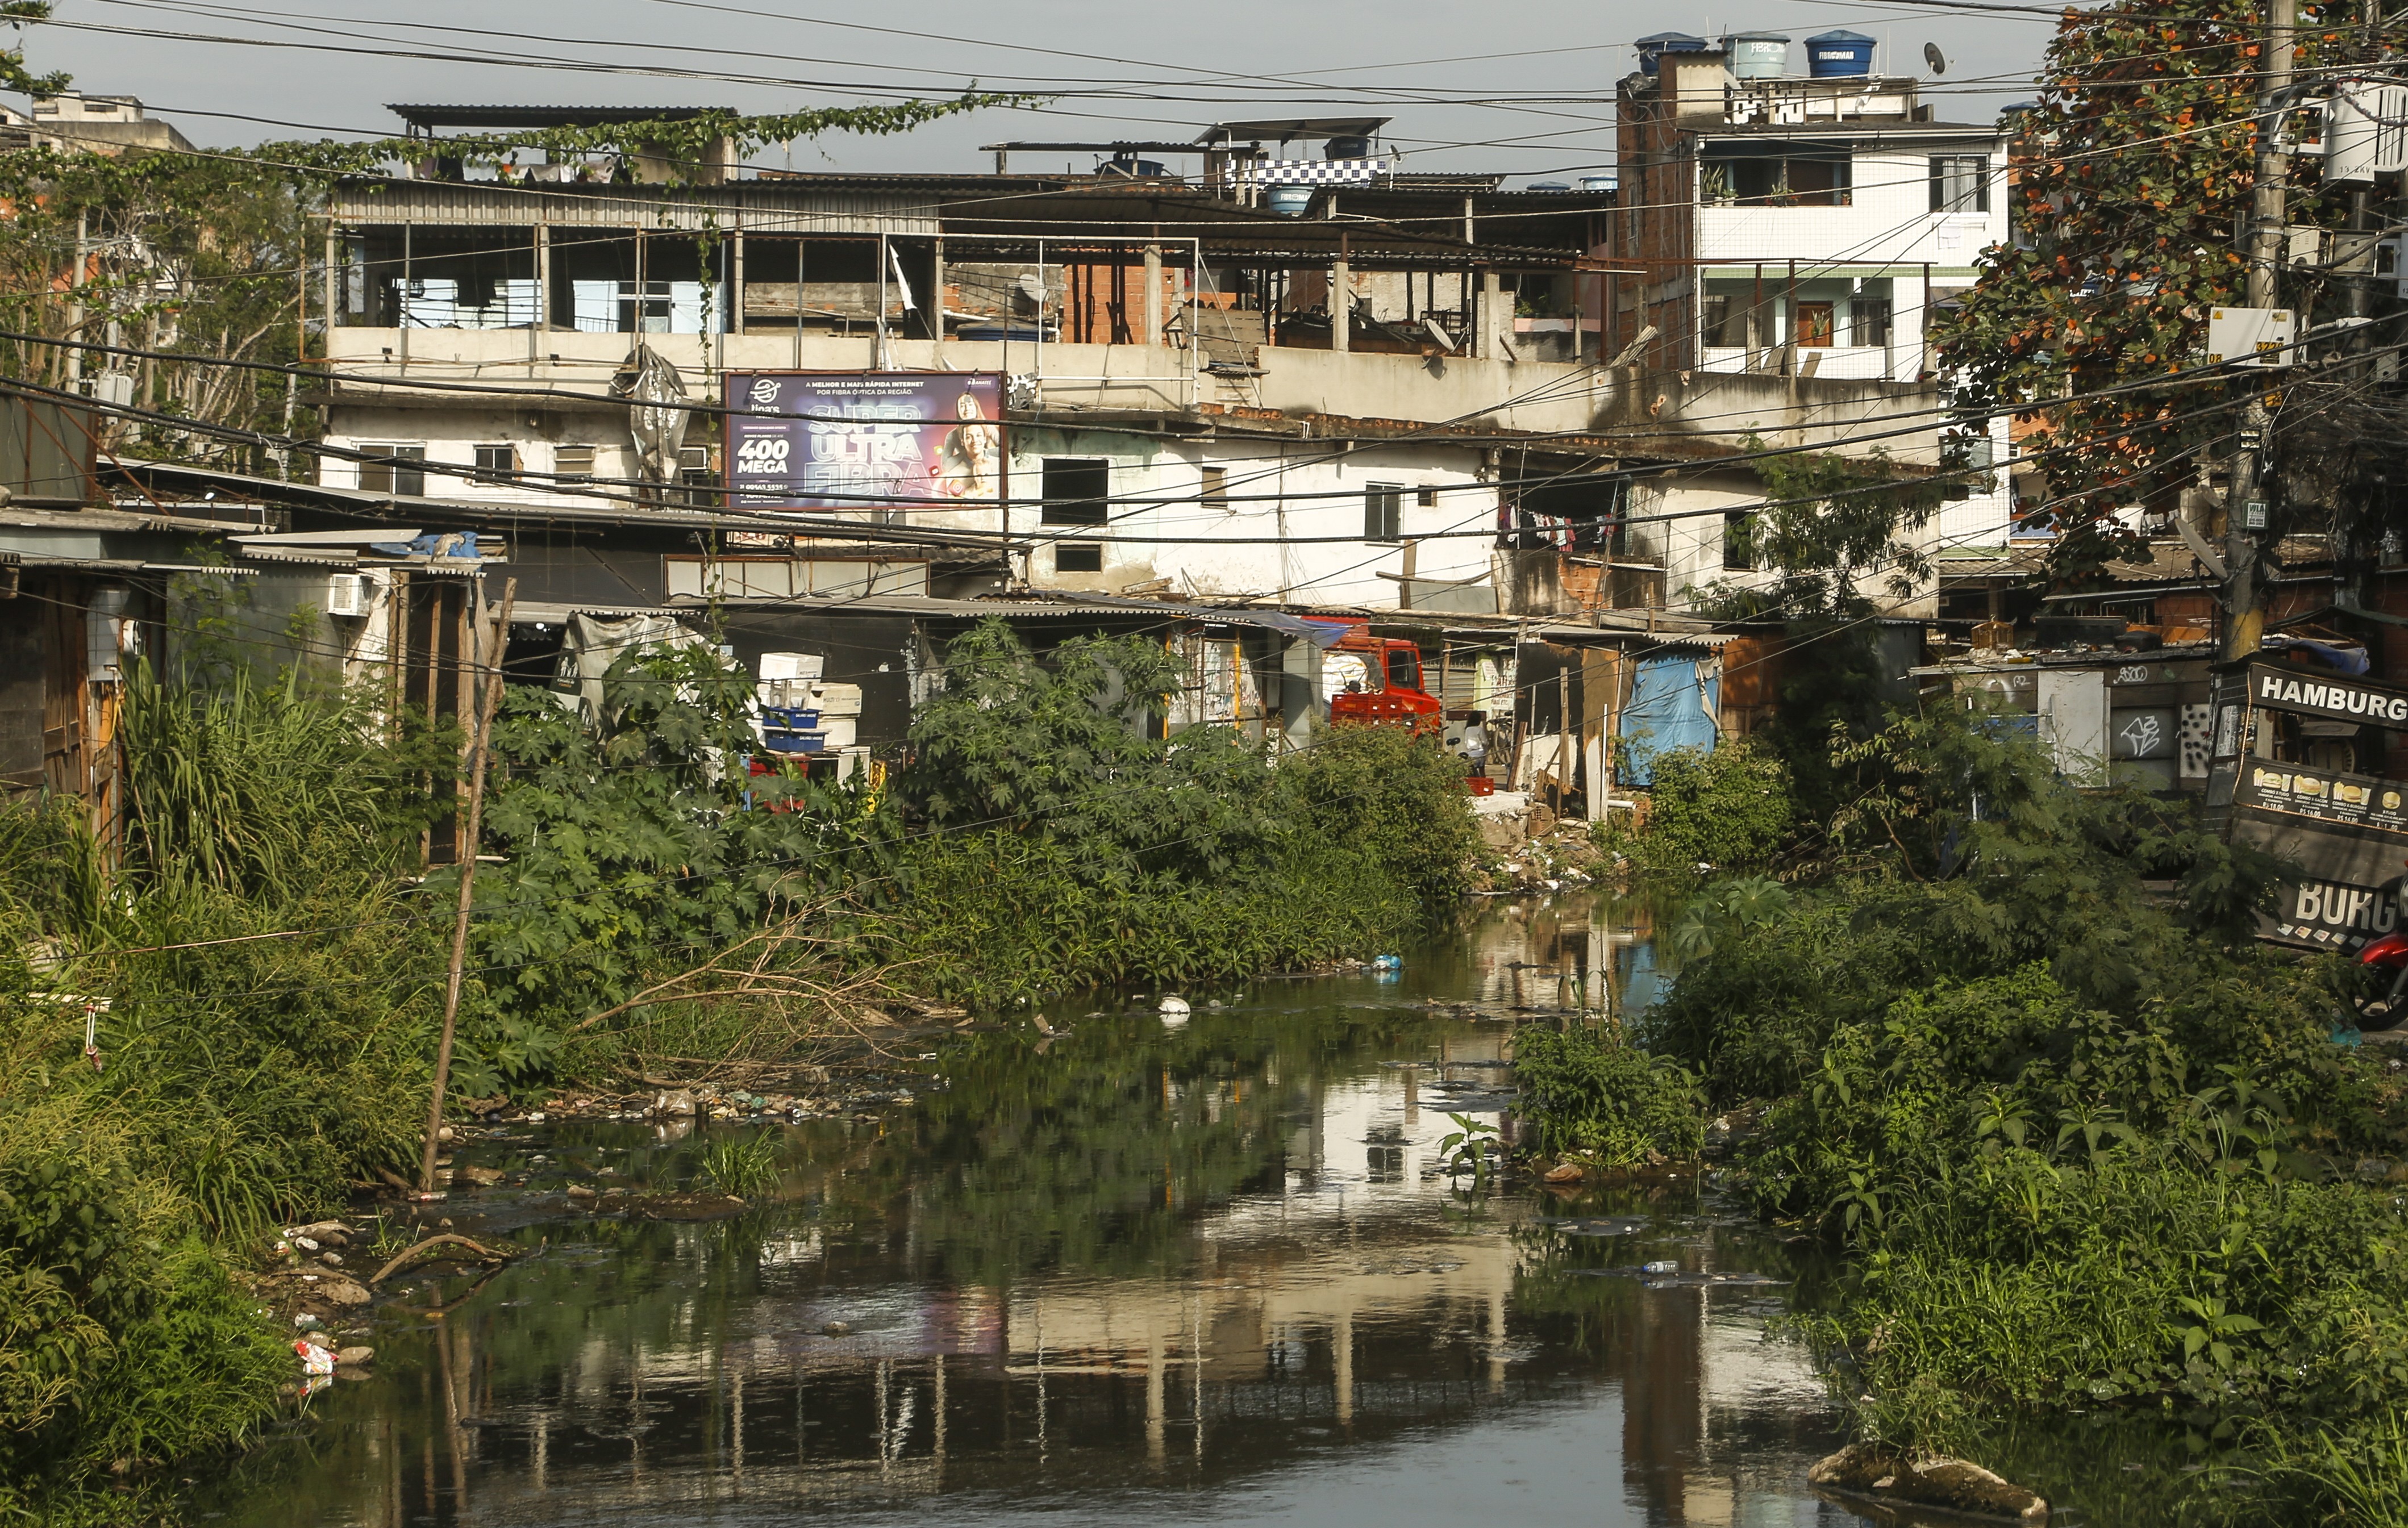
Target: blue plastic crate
782, 740
789, 718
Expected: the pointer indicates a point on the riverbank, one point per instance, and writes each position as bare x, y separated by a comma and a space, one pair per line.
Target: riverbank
2089, 1154
260, 972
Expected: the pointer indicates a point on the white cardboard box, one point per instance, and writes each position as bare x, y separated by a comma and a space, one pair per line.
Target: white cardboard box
835, 699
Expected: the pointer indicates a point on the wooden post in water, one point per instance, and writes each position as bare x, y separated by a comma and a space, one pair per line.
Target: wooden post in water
465, 847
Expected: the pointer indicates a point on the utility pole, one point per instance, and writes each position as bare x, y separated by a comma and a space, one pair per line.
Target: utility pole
2252, 471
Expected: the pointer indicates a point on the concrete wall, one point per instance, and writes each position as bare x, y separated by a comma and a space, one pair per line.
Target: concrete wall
1310, 495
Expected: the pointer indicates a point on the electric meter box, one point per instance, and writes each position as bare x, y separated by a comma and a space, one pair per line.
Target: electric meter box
2251, 336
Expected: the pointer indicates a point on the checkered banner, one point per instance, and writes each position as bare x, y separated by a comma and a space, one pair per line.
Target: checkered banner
1312, 172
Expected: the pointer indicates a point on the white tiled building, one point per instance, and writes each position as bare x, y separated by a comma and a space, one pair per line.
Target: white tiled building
1804, 227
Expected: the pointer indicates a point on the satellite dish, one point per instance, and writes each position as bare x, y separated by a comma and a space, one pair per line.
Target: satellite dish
1933, 56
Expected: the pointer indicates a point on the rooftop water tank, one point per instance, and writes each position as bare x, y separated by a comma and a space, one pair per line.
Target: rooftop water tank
1839, 55
1758, 55
1288, 201
1348, 146
1656, 44
1599, 183
1549, 185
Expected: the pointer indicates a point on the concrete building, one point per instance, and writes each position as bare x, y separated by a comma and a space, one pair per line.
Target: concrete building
1804, 223
72, 122
1187, 412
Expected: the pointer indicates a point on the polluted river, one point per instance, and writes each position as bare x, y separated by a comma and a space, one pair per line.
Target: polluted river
1213, 1270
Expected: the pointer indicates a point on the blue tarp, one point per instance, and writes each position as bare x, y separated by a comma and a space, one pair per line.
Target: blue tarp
1670, 707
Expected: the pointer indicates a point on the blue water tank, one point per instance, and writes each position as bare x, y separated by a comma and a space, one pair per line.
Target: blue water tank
1837, 55
1656, 44
1549, 185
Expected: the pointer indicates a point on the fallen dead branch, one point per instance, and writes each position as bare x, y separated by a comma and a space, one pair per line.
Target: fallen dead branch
417, 1250
800, 977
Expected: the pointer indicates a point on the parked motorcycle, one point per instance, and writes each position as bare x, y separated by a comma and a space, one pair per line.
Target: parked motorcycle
2385, 956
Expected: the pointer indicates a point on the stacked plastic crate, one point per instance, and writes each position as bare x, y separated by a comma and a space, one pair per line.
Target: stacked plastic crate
801, 710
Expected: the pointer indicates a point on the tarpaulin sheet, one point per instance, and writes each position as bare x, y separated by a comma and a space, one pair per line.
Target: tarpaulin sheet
1672, 705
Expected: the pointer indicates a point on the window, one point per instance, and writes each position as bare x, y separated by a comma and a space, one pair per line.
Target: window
1078, 491
1960, 183
387, 471
1079, 557
1383, 512
1404, 670
1216, 489
1869, 321
573, 463
1738, 541
694, 471
1714, 320
1814, 325
1426, 498
1777, 174
497, 464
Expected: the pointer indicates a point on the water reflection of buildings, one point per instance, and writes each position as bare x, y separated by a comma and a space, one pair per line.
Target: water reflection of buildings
1567, 951
1347, 1308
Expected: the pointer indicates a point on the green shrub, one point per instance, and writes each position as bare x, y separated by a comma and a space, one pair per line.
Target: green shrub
1589, 1092
1728, 809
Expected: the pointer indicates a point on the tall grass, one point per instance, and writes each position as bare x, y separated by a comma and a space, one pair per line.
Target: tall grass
239, 787
241, 1081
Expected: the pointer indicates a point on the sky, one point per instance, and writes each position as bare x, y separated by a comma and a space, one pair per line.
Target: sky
1526, 90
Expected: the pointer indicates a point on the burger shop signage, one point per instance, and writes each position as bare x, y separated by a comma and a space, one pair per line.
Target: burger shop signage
2348, 833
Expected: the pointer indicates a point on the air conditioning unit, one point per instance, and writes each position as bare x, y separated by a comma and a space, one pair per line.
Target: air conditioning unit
347, 595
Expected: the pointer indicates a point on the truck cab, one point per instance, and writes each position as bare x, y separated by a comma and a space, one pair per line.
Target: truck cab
1379, 680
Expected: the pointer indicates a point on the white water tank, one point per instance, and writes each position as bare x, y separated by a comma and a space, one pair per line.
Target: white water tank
1758, 55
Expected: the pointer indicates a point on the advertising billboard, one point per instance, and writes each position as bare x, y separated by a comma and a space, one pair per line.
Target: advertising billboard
864, 440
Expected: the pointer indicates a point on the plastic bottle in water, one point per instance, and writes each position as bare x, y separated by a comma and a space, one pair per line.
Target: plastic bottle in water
1663, 1267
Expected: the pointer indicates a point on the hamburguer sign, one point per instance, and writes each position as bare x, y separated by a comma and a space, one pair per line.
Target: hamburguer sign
2347, 834
2333, 696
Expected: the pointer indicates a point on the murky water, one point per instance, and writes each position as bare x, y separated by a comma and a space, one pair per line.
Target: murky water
1213, 1272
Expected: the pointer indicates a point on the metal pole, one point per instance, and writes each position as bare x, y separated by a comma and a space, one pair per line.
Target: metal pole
934, 315
736, 286
1152, 305
465, 844
300, 345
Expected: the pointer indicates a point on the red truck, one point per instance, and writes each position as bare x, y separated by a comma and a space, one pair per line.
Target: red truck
1389, 692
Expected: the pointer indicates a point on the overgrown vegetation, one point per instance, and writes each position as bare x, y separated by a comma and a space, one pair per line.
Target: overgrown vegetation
1591, 1094
2083, 1145
268, 969
237, 1076
1726, 810
1084, 848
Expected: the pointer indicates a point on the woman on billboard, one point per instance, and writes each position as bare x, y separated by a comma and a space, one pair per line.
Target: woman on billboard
967, 461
